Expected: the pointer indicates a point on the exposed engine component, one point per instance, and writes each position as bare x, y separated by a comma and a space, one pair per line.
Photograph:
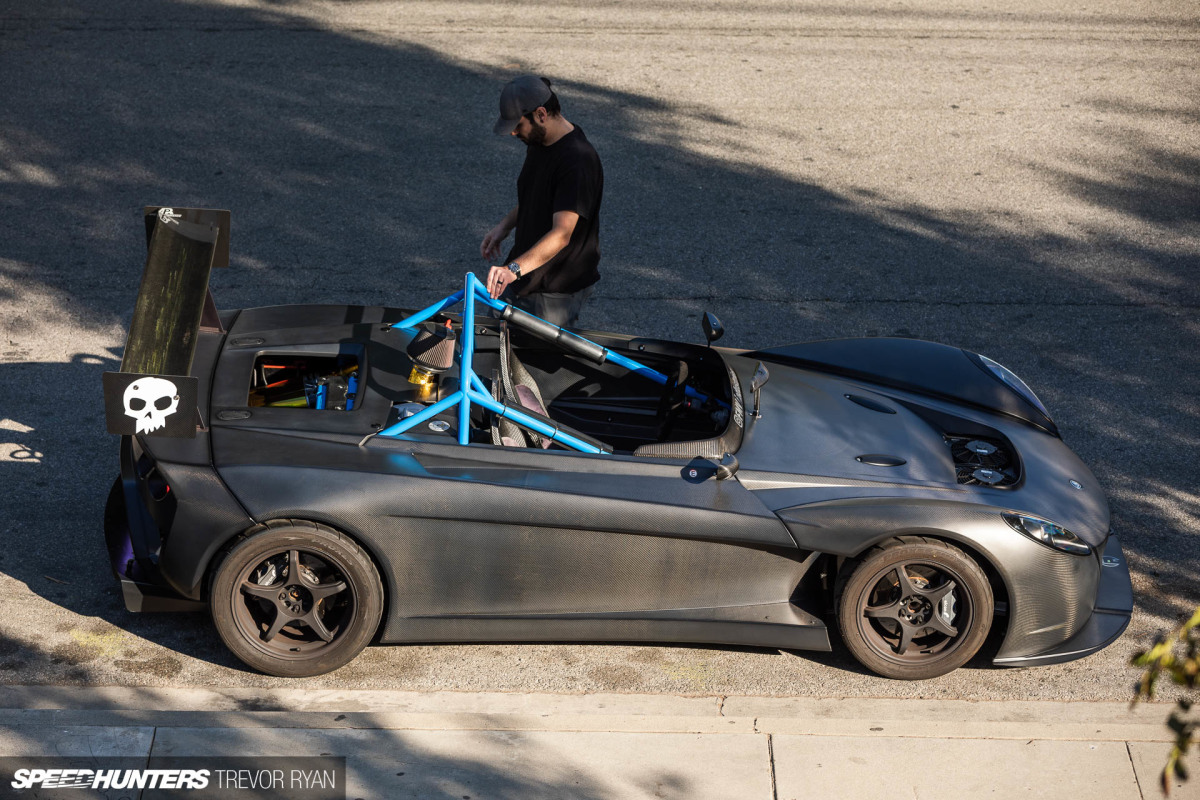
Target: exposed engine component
305, 381
982, 462
432, 353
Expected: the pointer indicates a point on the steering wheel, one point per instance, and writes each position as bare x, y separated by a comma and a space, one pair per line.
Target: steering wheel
671, 402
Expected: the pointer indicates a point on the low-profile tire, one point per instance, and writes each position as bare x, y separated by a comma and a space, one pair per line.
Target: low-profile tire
294, 599
914, 608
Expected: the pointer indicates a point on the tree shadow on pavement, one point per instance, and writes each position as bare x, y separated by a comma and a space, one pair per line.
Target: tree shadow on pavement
365, 172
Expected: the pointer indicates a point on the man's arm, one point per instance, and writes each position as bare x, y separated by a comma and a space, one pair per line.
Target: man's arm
542, 251
489, 248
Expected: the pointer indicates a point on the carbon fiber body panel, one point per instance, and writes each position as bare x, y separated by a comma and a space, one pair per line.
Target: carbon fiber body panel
485, 573
773, 625
912, 365
484, 543
202, 525
167, 520
1108, 620
1051, 594
462, 531
804, 450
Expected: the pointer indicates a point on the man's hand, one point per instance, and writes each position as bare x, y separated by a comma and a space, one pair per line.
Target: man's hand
489, 248
498, 280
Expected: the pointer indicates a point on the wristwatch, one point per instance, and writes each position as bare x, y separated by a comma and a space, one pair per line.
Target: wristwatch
514, 268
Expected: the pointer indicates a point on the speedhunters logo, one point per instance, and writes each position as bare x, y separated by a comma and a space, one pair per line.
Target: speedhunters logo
105, 779
206, 778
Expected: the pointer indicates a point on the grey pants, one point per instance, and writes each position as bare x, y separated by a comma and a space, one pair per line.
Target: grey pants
560, 309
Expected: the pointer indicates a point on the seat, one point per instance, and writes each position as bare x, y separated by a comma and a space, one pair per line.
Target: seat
514, 386
505, 433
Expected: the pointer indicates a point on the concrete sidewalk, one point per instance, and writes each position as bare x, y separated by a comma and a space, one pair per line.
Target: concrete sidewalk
484, 746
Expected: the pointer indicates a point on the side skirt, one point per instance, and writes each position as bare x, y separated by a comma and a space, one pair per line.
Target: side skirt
780, 625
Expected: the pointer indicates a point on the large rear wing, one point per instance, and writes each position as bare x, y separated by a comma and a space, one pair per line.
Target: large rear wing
154, 394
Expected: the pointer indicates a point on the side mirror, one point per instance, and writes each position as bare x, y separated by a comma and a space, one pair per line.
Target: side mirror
761, 376
713, 329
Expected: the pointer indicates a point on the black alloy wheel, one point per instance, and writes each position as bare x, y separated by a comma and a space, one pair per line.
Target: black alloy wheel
914, 608
295, 599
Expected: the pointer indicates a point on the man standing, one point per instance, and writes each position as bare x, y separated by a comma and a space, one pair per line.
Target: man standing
553, 264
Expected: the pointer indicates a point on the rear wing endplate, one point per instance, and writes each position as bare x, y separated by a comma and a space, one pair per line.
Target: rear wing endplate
154, 393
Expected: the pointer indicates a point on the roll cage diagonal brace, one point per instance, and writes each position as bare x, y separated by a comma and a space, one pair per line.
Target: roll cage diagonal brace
471, 388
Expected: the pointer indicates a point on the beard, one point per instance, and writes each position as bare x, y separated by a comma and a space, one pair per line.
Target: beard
537, 134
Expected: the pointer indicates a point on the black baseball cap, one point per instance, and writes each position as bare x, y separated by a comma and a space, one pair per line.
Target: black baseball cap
520, 96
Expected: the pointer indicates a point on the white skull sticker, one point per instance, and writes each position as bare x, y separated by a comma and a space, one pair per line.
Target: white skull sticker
150, 401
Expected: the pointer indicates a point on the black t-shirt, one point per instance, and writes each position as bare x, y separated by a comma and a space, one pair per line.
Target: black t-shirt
566, 176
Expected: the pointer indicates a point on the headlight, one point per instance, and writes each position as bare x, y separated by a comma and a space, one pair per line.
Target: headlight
1013, 382
1047, 533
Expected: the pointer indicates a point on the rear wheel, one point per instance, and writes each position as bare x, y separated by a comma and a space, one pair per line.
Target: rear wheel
914, 608
296, 599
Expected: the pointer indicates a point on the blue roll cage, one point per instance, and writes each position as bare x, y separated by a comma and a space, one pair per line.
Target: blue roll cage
471, 388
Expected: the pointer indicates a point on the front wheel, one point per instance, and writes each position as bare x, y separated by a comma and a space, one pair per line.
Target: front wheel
914, 608
296, 599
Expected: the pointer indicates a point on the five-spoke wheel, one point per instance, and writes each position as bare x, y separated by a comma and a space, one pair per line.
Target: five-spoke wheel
296, 599
914, 608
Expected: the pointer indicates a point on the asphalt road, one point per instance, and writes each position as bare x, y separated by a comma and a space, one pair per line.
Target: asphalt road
1019, 180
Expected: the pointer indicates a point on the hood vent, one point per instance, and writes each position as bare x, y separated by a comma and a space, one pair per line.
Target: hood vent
867, 402
880, 460
980, 461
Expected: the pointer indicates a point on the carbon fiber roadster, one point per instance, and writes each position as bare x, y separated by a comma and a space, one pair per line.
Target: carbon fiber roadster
325, 476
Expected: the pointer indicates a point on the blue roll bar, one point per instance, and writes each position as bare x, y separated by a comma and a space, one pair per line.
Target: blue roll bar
471, 388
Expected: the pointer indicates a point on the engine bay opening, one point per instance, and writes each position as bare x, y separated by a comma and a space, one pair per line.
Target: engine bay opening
298, 380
